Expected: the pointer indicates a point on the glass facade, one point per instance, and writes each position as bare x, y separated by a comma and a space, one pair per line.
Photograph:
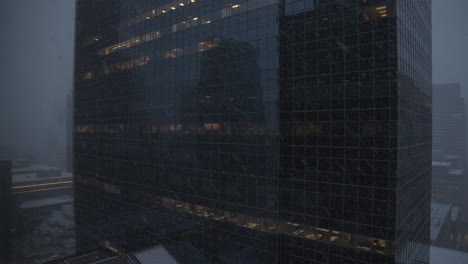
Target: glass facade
254, 131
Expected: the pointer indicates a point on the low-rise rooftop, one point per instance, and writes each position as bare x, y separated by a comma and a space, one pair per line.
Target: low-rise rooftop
439, 214
447, 256
441, 163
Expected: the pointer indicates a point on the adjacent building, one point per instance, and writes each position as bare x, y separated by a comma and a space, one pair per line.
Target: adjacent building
157, 254
448, 153
6, 200
254, 131
449, 130
69, 131
447, 182
449, 123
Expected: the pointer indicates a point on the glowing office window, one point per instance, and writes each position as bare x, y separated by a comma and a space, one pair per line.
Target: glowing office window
88, 76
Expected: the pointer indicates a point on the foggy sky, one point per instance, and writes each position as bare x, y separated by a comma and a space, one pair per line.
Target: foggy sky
36, 54
450, 42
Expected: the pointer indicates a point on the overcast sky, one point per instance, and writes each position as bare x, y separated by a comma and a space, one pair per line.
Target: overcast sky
450, 42
36, 68
36, 55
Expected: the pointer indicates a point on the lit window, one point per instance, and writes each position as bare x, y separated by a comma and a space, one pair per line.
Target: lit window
88, 76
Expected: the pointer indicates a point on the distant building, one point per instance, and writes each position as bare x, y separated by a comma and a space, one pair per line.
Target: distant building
444, 225
449, 123
69, 134
449, 179
463, 223
41, 181
8, 152
449, 144
5, 210
447, 182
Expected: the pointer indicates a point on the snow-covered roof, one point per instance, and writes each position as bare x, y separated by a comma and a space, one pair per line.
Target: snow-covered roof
32, 168
155, 255
456, 172
439, 213
441, 163
46, 202
447, 256
455, 211
32, 177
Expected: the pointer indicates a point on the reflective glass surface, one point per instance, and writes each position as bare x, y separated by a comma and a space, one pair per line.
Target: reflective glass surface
254, 131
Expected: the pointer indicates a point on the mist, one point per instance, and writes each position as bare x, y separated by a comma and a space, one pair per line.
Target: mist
36, 52
450, 42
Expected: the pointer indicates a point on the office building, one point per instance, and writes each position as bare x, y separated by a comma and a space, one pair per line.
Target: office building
6, 221
254, 131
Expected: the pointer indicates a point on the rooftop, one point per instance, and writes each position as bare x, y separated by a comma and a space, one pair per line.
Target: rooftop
95, 257
25, 176
439, 212
456, 172
455, 212
46, 202
441, 163
153, 255
158, 254
32, 168
447, 256
47, 233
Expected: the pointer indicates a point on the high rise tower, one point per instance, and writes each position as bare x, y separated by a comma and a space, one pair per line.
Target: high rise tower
255, 131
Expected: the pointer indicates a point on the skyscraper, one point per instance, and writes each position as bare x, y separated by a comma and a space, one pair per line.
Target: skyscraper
254, 131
